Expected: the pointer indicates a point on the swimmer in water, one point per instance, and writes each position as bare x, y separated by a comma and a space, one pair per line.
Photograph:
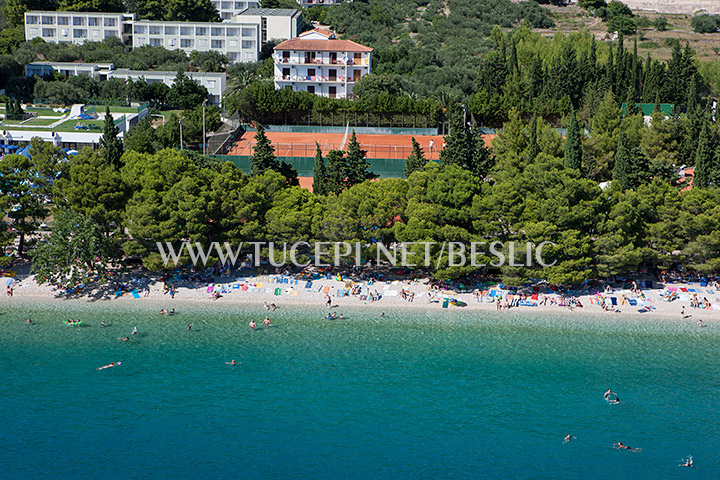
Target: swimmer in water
189, 327
700, 324
134, 331
688, 463
112, 364
252, 324
266, 322
608, 393
342, 316
620, 446
231, 363
568, 437
29, 322
102, 324
382, 315
124, 339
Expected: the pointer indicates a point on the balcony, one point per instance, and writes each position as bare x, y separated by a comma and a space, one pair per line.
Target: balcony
311, 79
319, 61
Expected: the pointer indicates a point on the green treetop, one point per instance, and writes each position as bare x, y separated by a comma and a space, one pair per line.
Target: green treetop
416, 160
110, 143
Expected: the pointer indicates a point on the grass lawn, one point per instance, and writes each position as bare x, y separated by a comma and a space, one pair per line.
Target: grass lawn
36, 122
101, 109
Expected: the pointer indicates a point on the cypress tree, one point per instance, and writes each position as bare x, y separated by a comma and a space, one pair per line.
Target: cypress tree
336, 167
357, 166
622, 170
704, 159
457, 146
263, 158
110, 143
416, 161
573, 144
482, 160
532, 149
319, 173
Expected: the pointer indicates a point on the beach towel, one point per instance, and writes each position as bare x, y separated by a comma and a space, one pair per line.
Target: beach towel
492, 293
685, 290
340, 293
308, 285
613, 300
534, 296
593, 301
278, 291
210, 288
527, 303
218, 287
672, 289
236, 286
294, 293
135, 293
445, 303
633, 302
326, 290
245, 288
117, 294
691, 290
259, 285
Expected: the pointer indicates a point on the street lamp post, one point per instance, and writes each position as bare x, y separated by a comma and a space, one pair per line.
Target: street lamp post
203, 105
181, 142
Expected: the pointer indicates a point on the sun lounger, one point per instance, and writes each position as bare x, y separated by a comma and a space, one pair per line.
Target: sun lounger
445, 303
236, 286
210, 288
135, 293
278, 291
684, 290
308, 285
691, 290
633, 302
613, 300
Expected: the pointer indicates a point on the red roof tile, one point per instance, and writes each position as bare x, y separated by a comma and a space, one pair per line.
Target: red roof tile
300, 44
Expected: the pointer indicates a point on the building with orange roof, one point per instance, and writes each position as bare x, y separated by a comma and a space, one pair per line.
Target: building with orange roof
318, 62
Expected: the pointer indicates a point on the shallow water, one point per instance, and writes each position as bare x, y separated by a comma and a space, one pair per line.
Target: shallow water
413, 395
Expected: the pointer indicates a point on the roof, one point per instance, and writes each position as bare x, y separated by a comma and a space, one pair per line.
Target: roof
322, 45
270, 12
321, 31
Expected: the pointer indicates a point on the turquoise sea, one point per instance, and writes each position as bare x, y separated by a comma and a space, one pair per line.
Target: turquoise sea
419, 396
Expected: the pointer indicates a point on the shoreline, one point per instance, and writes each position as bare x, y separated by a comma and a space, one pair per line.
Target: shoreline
28, 292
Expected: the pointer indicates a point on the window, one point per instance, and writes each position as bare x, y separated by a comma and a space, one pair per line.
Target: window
111, 33
110, 22
140, 29
93, 21
171, 30
171, 42
200, 30
217, 44
202, 43
63, 20
232, 32
78, 21
249, 57
79, 33
139, 42
187, 43
218, 32
156, 42
233, 56
32, 20
248, 32
155, 30
311, 88
233, 43
240, 6
48, 32
33, 32
96, 33
64, 32
48, 20
186, 31
210, 84
247, 44
226, 5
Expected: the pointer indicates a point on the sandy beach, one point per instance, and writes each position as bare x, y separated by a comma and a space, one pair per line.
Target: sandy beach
285, 291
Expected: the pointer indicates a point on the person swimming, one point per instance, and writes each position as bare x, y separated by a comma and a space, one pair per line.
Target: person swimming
29, 322
134, 331
608, 393
231, 363
124, 339
111, 364
171, 312
620, 446
189, 327
252, 324
568, 437
266, 322
688, 463
102, 324
700, 323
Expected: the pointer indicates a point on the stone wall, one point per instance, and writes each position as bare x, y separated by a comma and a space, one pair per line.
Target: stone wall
675, 6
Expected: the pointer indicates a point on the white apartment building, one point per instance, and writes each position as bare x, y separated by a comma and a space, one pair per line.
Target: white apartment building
78, 27
230, 8
239, 41
240, 37
314, 3
275, 23
319, 63
214, 82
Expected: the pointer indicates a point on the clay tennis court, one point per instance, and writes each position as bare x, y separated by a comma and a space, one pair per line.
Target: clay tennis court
294, 144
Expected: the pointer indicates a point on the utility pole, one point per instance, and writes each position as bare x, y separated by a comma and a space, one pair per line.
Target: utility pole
204, 137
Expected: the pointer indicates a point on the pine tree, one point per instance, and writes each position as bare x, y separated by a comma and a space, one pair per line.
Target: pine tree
573, 144
622, 170
357, 166
704, 159
319, 173
263, 158
110, 143
416, 161
481, 159
532, 150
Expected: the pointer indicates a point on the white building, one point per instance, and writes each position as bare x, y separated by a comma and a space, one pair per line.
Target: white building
239, 41
315, 3
275, 23
214, 82
240, 37
78, 27
319, 63
228, 9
